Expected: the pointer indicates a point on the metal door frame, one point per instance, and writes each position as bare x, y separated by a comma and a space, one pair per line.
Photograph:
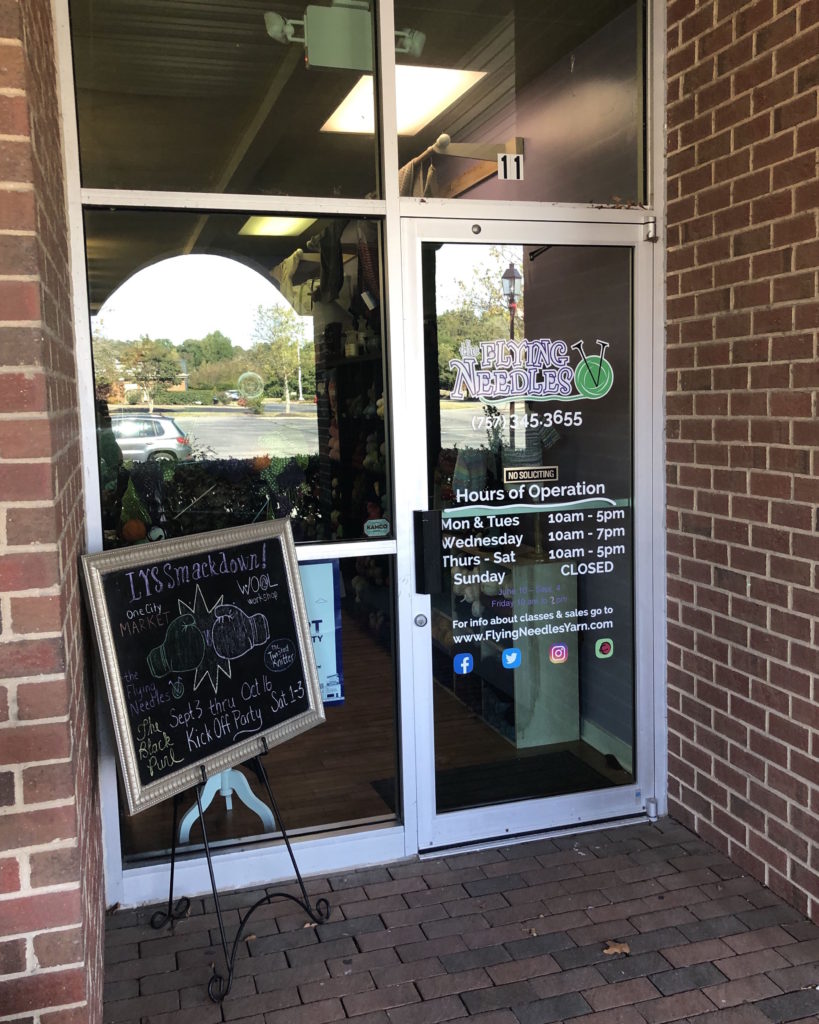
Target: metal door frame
490, 823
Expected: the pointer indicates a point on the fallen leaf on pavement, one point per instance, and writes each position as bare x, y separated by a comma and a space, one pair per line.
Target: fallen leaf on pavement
616, 947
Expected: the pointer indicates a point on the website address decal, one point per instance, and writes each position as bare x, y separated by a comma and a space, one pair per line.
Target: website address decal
520, 632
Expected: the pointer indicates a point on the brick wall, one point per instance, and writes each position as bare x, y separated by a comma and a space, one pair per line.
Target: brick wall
743, 484
51, 902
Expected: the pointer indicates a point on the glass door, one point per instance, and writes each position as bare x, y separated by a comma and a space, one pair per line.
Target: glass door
530, 709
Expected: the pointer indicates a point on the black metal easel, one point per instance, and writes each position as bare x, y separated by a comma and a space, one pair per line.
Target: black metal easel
218, 986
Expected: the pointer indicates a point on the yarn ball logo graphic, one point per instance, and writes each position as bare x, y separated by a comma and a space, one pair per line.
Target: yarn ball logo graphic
593, 375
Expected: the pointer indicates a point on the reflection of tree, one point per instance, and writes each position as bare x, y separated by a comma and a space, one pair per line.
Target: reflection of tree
223, 375
107, 362
213, 348
151, 365
279, 337
480, 313
191, 351
281, 354
308, 367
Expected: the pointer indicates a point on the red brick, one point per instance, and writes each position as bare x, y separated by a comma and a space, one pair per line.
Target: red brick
9, 876
26, 481
34, 569
32, 743
32, 658
797, 50
42, 990
755, 293
772, 207
733, 325
58, 948
22, 392
733, 112
793, 287
806, 316
76, 1015
37, 614
751, 16
31, 525
792, 172
790, 570
17, 213
755, 129
752, 241
788, 514
48, 782
37, 912
55, 867
13, 115
25, 439
807, 75
773, 151
767, 264
19, 300
795, 229
735, 56
699, 21
45, 699
803, 108
12, 957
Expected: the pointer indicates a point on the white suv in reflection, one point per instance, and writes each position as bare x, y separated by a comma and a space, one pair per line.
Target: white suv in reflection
146, 438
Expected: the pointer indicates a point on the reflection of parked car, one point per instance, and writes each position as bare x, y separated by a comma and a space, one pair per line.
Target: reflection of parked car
233, 395
151, 439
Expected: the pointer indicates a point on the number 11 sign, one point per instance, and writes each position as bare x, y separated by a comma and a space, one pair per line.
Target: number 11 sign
510, 166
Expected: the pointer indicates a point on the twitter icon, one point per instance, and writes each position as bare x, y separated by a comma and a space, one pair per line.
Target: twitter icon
511, 657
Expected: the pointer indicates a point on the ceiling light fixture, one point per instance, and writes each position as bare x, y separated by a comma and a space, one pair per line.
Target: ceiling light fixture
422, 93
276, 226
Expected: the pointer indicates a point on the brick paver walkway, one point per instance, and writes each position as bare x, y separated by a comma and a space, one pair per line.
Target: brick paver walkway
513, 935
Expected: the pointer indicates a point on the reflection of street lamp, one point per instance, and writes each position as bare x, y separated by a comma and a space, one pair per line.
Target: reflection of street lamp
510, 282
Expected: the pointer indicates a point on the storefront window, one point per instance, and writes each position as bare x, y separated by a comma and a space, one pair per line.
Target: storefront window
230, 97
342, 773
521, 100
239, 376
238, 387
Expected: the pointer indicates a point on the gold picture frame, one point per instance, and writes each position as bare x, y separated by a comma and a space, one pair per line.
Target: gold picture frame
206, 653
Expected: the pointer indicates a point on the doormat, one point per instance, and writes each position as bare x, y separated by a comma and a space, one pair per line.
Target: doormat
525, 778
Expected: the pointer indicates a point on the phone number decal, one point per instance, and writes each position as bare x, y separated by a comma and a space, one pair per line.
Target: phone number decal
533, 420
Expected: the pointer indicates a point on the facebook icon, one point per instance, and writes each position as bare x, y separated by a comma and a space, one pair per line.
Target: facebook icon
462, 663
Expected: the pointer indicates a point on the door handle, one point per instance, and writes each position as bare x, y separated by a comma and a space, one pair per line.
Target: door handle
429, 576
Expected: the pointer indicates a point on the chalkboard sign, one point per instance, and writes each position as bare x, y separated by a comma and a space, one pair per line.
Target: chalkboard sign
206, 653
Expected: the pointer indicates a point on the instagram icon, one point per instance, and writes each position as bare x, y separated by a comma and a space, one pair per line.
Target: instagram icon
558, 653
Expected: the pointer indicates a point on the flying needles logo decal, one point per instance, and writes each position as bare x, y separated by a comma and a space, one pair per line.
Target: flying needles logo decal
539, 370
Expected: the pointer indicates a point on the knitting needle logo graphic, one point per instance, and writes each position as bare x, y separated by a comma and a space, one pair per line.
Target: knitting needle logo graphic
206, 640
593, 375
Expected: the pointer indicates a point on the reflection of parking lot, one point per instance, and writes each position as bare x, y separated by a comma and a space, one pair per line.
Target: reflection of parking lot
242, 435
457, 428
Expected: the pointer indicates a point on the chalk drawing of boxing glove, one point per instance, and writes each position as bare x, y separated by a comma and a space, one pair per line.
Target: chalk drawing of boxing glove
181, 651
234, 632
